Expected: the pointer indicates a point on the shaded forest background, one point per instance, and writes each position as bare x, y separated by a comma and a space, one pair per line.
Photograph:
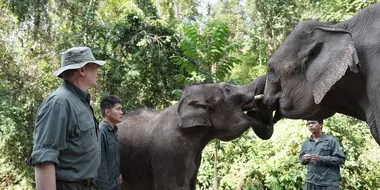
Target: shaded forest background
153, 49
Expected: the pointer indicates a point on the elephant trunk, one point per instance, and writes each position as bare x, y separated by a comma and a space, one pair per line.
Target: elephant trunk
264, 126
271, 96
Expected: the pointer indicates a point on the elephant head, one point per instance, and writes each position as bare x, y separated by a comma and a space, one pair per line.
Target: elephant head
218, 108
305, 68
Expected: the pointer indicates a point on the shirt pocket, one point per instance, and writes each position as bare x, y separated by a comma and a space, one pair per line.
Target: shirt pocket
309, 151
325, 149
87, 134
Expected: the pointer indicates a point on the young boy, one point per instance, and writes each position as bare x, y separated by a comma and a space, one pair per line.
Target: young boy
109, 175
323, 156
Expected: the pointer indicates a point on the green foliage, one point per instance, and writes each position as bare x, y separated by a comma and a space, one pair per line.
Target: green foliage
338, 10
140, 69
275, 19
207, 53
27, 64
359, 148
147, 7
155, 48
20, 95
251, 163
176, 10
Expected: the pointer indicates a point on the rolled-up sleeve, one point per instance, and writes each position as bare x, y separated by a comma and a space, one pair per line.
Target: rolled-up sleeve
50, 133
302, 153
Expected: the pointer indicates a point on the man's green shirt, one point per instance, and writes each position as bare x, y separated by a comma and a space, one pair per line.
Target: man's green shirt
325, 172
66, 134
109, 170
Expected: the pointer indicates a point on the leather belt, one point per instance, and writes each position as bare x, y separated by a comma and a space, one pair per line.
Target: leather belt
85, 182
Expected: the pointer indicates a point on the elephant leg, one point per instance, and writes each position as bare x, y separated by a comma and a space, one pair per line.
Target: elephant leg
373, 122
193, 181
163, 181
172, 173
373, 115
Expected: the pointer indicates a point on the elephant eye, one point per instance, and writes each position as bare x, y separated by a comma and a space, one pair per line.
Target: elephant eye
227, 89
271, 71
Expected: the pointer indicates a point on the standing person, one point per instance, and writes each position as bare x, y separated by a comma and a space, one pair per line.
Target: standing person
109, 176
66, 152
323, 156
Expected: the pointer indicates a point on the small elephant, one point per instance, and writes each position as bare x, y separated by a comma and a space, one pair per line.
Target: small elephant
321, 69
161, 150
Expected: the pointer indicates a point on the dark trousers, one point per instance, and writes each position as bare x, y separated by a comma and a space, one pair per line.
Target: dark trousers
66, 185
310, 186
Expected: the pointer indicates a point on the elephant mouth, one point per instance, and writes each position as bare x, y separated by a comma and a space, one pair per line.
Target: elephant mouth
263, 126
262, 118
273, 106
252, 104
248, 106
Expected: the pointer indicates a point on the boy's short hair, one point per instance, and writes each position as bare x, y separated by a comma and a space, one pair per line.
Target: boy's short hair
109, 102
320, 121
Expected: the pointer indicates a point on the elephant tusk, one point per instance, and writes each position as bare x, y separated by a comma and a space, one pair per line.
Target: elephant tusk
259, 97
253, 105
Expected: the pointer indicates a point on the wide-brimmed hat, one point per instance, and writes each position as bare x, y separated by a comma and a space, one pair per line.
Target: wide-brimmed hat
75, 58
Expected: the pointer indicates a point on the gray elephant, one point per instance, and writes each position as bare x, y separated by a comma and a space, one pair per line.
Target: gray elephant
161, 150
321, 69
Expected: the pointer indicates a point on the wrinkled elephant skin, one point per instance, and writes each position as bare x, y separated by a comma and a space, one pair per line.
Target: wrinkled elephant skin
321, 69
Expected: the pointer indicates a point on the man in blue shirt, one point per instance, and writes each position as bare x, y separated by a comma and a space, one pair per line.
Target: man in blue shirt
109, 175
323, 156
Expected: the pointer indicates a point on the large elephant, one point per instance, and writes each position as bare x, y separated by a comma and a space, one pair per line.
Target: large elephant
161, 150
321, 69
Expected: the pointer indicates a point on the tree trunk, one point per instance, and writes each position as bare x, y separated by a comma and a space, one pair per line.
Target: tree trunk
176, 9
216, 168
158, 9
213, 71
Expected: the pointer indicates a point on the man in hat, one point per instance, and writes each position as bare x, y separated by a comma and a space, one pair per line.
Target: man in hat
323, 156
66, 151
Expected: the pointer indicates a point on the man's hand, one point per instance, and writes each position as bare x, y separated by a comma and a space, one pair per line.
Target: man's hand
315, 157
307, 157
120, 179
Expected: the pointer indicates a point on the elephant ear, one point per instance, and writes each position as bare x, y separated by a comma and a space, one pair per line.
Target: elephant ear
329, 58
193, 112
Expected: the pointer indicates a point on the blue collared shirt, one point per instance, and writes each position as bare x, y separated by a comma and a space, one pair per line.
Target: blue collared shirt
109, 170
326, 171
